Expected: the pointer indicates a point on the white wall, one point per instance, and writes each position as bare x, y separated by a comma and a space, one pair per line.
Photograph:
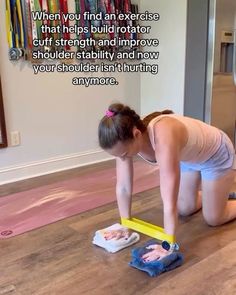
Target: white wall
166, 90
57, 121
225, 20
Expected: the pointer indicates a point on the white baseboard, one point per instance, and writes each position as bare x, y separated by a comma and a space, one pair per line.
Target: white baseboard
39, 168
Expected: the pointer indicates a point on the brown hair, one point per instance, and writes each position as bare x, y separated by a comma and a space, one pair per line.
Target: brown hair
119, 126
148, 118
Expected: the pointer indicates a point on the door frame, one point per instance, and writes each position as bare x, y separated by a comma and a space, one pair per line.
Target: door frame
200, 40
210, 60
3, 142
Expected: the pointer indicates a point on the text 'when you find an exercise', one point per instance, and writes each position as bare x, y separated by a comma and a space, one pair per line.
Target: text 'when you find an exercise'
145, 16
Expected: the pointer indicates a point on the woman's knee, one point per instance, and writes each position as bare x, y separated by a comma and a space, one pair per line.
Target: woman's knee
186, 209
212, 220
189, 202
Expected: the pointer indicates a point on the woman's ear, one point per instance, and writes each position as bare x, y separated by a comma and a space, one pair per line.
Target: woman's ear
136, 132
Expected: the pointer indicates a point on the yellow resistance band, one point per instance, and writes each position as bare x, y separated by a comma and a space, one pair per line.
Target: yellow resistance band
148, 229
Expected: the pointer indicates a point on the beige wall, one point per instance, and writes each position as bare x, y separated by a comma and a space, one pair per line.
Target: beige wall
166, 90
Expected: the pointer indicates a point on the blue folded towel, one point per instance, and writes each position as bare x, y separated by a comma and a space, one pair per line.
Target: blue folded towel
156, 267
232, 196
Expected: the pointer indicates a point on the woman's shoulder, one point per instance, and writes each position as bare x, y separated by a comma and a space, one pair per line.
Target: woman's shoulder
169, 120
159, 118
169, 128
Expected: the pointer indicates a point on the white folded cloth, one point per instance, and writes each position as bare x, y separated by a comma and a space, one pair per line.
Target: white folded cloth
113, 245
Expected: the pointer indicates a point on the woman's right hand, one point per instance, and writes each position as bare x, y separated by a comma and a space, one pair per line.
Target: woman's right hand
116, 234
157, 252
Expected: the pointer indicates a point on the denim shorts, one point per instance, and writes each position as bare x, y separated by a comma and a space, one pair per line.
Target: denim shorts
218, 165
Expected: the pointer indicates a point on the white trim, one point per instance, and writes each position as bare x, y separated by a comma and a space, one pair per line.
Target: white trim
210, 61
39, 168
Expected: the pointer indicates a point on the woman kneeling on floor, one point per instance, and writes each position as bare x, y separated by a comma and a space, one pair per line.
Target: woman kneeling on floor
187, 151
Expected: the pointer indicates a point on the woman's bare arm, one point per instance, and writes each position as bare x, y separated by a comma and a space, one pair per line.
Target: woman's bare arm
124, 185
170, 137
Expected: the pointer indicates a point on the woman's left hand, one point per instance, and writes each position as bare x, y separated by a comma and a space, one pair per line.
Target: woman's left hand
116, 234
156, 253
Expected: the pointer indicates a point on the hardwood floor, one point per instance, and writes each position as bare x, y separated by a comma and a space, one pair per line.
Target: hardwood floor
59, 259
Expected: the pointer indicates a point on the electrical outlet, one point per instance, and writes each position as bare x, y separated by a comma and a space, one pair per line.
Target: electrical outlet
15, 138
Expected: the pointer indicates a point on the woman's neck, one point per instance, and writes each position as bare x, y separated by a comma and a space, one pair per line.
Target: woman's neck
146, 144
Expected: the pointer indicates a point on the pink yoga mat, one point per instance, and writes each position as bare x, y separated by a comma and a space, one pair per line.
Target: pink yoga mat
25, 211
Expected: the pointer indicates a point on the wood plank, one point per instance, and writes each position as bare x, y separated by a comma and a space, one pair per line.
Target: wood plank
11, 289
214, 275
139, 206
